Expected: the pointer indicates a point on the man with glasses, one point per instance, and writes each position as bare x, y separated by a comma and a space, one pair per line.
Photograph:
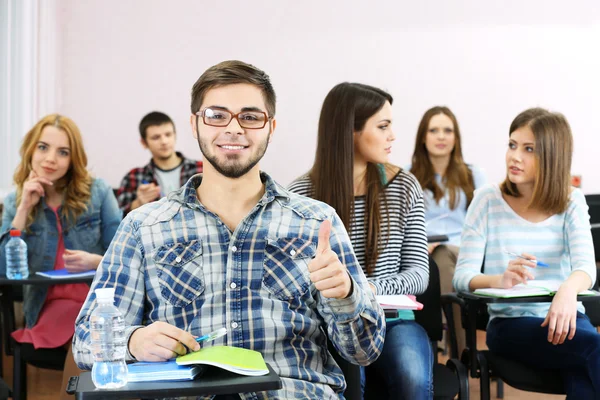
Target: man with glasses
168, 169
234, 249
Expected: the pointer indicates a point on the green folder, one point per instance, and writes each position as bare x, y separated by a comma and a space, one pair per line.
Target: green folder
235, 359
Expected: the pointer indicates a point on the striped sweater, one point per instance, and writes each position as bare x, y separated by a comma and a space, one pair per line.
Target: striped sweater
402, 266
564, 241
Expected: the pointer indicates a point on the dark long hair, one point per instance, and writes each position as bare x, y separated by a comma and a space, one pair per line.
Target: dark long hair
458, 175
345, 110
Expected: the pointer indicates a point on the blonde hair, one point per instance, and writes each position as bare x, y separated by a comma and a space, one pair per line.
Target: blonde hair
553, 153
77, 182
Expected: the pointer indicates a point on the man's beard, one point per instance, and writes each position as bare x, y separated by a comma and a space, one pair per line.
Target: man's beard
232, 169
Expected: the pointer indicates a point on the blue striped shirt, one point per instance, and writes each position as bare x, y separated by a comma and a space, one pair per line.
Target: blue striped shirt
564, 241
175, 261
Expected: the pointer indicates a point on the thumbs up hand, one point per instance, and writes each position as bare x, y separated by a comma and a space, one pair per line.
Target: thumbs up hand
326, 271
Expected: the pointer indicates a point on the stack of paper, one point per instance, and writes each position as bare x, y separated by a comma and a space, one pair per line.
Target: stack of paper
162, 371
399, 302
235, 359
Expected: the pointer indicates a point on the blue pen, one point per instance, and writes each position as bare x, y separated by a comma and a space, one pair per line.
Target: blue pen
144, 182
212, 336
538, 262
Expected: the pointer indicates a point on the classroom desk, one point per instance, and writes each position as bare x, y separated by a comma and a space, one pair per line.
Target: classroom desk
473, 301
7, 310
213, 381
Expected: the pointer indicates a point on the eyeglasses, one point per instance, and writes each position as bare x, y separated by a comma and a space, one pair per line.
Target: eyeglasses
246, 119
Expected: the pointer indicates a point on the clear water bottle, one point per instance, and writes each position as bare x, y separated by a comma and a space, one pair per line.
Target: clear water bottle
107, 330
16, 256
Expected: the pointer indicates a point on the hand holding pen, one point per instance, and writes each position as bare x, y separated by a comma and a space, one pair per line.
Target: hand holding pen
516, 272
528, 257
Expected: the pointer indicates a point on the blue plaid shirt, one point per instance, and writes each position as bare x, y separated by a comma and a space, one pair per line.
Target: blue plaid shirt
175, 261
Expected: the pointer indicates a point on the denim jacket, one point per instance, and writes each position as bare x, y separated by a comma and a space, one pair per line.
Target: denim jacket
92, 232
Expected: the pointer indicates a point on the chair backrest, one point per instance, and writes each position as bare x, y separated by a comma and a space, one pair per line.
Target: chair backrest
430, 317
351, 373
593, 202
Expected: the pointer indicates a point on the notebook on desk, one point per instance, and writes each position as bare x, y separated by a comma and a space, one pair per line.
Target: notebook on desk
399, 302
235, 359
162, 371
533, 288
63, 273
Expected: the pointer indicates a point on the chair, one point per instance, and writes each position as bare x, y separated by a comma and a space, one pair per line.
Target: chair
593, 202
449, 380
486, 365
24, 353
351, 374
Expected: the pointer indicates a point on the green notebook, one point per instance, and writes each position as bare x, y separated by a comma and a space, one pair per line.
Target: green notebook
533, 288
235, 359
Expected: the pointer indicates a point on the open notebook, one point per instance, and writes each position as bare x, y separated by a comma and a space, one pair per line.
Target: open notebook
235, 359
533, 288
399, 302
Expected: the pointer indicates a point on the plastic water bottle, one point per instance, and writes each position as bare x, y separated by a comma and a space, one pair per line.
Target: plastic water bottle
107, 330
16, 256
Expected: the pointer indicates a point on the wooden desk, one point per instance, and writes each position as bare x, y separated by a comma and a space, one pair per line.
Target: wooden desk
213, 381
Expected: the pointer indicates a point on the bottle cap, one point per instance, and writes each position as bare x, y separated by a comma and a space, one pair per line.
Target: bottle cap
15, 232
105, 294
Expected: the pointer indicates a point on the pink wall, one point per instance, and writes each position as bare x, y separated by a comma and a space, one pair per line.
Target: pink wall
121, 59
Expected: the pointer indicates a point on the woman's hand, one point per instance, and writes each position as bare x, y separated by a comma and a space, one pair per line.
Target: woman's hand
81, 261
33, 190
517, 272
562, 316
432, 246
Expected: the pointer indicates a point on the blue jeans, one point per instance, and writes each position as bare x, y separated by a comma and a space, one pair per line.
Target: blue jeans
524, 340
406, 362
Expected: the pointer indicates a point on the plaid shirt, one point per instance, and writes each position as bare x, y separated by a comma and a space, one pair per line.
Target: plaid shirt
177, 262
129, 184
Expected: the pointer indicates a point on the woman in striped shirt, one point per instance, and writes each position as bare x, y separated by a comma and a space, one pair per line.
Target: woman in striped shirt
536, 213
382, 209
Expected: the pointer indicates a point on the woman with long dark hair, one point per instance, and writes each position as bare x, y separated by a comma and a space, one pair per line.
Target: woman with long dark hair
382, 208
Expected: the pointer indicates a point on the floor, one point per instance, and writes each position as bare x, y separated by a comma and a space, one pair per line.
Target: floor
45, 384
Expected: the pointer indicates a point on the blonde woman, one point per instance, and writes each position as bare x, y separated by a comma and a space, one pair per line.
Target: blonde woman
67, 218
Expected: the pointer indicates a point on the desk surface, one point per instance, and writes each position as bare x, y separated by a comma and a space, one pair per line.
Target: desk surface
529, 299
212, 382
42, 280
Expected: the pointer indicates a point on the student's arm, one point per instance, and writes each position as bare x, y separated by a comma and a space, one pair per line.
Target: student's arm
562, 315
355, 324
126, 195
110, 216
121, 268
413, 271
467, 275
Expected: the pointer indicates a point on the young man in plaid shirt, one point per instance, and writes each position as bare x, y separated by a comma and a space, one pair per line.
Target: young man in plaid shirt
234, 249
168, 170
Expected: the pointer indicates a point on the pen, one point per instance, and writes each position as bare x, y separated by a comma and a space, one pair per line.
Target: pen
538, 262
212, 336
